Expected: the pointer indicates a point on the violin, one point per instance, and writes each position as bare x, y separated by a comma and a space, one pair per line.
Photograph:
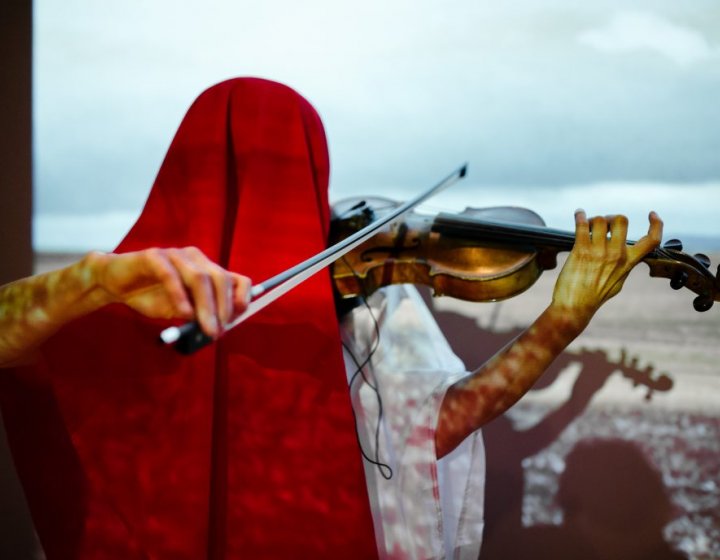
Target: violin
479, 254
484, 254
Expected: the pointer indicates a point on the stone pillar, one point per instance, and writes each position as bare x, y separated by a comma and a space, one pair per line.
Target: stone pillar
16, 257
17, 537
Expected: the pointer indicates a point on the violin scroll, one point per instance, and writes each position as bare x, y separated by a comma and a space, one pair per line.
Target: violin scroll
685, 271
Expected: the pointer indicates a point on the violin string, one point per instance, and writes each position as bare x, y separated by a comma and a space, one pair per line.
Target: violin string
383, 468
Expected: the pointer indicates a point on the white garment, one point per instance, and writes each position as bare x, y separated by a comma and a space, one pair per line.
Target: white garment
429, 508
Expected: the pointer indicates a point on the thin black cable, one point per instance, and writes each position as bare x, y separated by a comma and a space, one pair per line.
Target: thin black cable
383, 468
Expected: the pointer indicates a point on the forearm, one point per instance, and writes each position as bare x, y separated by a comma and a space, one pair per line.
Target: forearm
502, 381
593, 273
158, 283
34, 308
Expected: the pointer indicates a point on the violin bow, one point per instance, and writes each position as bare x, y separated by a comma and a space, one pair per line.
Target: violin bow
189, 337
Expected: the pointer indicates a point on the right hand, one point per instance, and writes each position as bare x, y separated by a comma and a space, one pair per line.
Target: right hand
173, 284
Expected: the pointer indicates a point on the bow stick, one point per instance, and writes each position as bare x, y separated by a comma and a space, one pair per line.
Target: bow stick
189, 337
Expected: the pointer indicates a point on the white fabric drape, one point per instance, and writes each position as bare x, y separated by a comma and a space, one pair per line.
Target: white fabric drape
428, 509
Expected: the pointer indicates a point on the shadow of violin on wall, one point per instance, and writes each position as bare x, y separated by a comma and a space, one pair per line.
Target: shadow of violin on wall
613, 499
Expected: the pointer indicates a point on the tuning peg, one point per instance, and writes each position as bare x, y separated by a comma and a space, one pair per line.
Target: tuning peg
703, 259
702, 303
673, 245
679, 280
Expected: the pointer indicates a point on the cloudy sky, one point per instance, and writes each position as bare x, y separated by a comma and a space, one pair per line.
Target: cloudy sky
555, 104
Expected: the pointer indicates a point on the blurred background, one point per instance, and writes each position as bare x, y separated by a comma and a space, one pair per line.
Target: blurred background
555, 105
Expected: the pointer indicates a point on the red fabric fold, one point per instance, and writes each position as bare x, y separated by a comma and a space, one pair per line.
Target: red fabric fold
246, 449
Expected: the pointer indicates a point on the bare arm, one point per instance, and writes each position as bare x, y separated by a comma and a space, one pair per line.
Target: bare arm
159, 283
593, 273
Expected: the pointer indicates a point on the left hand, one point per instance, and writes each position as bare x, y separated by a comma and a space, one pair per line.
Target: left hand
599, 263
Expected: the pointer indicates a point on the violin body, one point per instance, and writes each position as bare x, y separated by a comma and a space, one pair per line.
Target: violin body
411, 252
486, 254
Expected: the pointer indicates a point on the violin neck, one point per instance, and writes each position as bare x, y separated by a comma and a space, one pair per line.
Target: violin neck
683, 270
504, 233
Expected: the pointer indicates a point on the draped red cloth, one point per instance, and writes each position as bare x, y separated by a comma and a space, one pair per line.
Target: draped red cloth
246, 449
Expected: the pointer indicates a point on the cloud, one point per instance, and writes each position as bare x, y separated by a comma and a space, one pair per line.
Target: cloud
406, 92
642, 31
81, 232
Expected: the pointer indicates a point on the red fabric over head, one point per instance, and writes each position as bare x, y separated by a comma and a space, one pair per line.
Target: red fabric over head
246, 449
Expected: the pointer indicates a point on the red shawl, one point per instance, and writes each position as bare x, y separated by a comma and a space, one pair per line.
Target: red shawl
246, 449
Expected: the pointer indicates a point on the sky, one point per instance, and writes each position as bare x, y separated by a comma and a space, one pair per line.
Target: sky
554, 104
